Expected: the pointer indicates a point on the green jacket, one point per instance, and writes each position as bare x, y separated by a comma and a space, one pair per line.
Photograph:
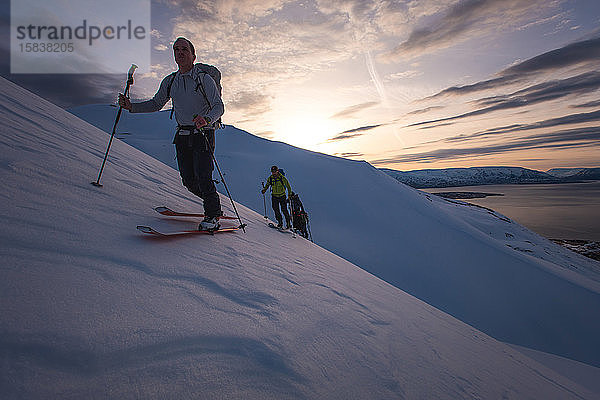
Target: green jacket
278, 184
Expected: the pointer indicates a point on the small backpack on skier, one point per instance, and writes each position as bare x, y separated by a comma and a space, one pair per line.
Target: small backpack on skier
299, 215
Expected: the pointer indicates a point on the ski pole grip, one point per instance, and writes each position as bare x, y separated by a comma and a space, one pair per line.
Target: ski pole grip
131, 70
130, 74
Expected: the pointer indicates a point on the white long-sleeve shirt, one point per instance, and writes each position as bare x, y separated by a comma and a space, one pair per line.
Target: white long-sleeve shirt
188, 99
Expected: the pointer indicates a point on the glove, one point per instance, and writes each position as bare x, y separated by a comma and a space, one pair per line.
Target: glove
200, 122
124, 102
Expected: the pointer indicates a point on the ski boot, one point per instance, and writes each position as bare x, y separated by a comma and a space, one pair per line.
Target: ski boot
209, 224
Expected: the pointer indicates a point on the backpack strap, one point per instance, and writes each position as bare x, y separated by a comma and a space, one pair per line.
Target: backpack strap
275, 180
272, 181
169, 91
200, 86
215, 75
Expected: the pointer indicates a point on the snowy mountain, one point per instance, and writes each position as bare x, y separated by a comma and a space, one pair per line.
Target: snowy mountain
576, 174
452, 177
564, 172
91, 308
476, 265
587, 174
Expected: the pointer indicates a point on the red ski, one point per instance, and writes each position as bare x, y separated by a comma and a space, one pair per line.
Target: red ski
168, 212
151, 231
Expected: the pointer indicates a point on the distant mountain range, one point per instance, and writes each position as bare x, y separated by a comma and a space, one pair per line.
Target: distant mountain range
583, 174
451, 177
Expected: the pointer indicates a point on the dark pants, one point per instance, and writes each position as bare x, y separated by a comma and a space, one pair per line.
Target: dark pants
276, 203
195, 167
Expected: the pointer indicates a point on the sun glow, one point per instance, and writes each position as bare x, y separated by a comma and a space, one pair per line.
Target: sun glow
307, 132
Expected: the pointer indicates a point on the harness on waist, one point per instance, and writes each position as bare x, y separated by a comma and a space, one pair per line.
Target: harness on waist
207, 133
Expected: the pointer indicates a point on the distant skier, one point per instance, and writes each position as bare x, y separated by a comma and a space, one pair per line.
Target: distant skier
279, 184
197, 104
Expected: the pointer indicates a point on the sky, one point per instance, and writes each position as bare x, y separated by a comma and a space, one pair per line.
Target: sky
401, 84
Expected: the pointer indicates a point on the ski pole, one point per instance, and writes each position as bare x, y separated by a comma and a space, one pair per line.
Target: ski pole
308, 228
292, 216
210, 148
264, 200
129, 83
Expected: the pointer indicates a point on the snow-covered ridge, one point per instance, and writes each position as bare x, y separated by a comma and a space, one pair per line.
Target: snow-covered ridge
571, 174
478, 266
452, 177
564, 172
92, 309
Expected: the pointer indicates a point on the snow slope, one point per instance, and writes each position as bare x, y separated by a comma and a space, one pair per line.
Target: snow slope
474, 264
93, 309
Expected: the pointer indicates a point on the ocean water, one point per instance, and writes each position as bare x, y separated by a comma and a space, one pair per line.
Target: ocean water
559, 211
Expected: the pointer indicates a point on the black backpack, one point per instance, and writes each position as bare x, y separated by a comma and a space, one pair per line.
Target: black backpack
297, 207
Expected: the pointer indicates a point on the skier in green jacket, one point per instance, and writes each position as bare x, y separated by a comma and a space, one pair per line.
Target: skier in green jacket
278, 184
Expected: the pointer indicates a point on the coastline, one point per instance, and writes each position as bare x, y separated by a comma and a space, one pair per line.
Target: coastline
587, 248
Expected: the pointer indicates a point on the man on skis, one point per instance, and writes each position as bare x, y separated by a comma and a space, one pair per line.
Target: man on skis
279, 184
197, 105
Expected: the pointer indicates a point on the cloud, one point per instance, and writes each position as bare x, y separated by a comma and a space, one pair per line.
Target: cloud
364, 128
467, 19
368, 17
349, 155
586, 52
549, 123
589, 104
571, 138
342, 136
222, 11
437, 125
551, 90
478, 86
405, 74
261, 46
547, 91
355, 109
561, 16
265, 45
351, 133
578, 54
425, 110
250, 103
156, 34
268, 44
